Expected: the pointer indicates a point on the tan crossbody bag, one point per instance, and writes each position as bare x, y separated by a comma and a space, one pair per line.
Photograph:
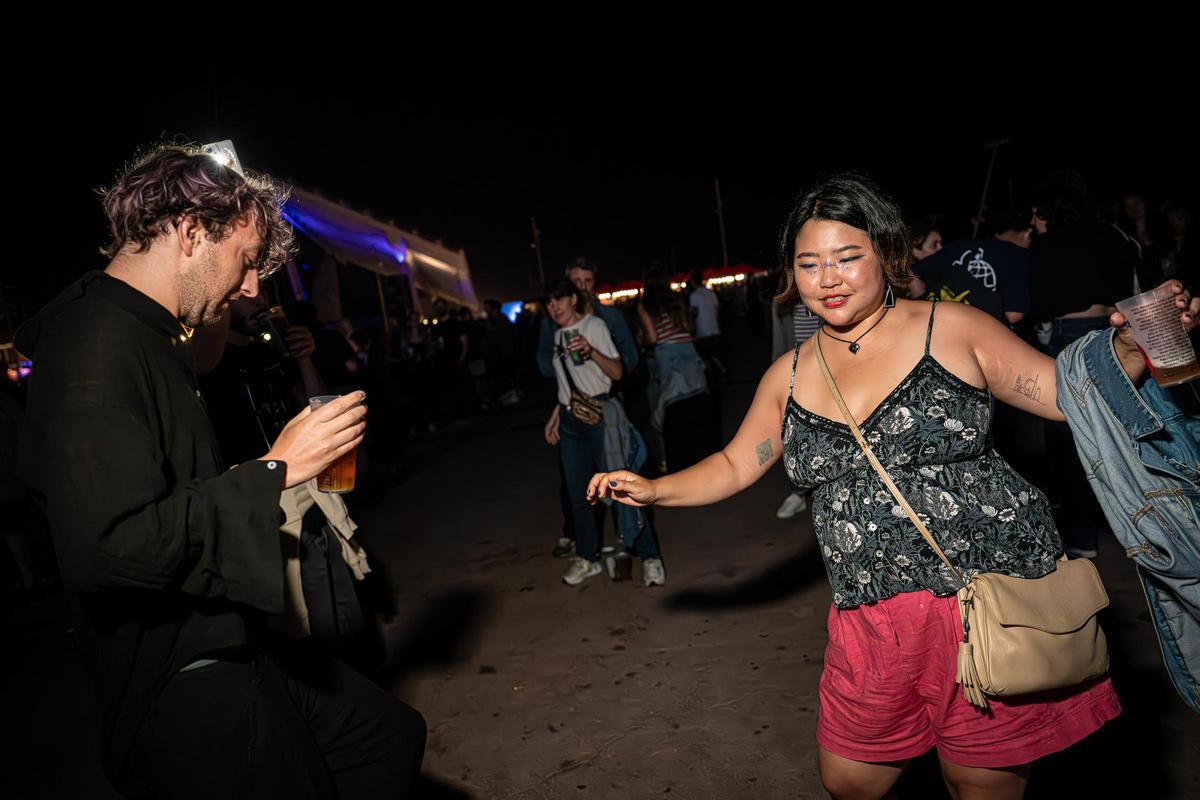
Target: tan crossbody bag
1019, 634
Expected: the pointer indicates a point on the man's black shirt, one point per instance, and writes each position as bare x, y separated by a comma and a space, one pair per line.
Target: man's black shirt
166, 555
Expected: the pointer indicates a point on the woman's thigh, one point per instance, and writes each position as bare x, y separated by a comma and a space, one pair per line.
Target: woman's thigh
980, 783
847, 779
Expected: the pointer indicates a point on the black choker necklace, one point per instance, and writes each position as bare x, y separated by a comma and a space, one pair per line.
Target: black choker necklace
854, 346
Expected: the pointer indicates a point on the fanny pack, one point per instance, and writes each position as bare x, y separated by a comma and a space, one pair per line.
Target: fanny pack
582, 407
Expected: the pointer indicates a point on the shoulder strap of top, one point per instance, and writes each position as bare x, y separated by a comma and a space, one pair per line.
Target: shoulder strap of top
929, 333
792, 381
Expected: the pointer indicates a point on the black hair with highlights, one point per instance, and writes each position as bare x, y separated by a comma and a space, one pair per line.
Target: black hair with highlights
855, 201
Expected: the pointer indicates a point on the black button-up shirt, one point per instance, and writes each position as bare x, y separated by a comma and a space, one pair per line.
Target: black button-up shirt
167, 555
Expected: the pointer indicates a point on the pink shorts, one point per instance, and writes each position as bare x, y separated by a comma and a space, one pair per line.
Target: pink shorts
888, 693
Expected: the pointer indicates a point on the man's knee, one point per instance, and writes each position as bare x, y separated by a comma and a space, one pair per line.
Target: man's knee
414, 723
409, 730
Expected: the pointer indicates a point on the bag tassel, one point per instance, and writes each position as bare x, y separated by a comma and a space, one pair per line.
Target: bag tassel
968, 677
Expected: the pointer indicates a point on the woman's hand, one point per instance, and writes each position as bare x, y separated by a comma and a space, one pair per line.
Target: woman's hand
622, 486
1127, 350
551, 429
581, 345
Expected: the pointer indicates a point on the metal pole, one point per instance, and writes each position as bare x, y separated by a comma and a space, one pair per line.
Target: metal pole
994, 146
721, 223
537, 249
387, 325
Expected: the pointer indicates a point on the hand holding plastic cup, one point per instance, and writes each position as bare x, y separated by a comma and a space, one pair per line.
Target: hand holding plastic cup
1160, 334
338, 477
575, 352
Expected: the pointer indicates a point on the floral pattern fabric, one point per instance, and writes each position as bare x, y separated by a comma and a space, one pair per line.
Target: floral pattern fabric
932, 434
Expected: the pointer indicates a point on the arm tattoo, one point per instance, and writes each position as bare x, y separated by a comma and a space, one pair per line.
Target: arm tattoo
1029, 388
764, 452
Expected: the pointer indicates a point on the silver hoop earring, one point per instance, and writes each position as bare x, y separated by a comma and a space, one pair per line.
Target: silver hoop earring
889, 299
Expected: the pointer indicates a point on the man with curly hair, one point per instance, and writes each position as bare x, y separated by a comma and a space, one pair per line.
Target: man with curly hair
171, 560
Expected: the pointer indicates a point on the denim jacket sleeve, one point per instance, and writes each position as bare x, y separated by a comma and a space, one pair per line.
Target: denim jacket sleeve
1140, 450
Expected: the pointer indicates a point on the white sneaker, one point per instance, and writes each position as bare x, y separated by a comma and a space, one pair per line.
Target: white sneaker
792, 505
580, 570
652, 572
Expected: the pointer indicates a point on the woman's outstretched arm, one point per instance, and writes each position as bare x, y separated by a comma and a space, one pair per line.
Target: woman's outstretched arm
750, 453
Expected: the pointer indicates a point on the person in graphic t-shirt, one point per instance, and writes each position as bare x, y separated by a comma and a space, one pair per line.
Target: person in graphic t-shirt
991, 274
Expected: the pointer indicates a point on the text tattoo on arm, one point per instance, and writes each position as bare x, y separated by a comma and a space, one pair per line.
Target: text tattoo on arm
1029, 388
764, 452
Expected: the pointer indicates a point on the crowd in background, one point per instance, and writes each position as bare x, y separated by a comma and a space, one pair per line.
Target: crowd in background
1047, 268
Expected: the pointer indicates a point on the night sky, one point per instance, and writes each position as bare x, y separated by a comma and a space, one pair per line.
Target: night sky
609, 126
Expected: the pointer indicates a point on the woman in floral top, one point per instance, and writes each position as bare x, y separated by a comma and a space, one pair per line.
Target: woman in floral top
921, 393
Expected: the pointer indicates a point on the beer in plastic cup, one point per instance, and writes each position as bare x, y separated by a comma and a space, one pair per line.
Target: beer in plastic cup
338, 477
1158, 332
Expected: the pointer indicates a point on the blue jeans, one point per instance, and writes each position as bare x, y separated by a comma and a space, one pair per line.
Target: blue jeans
581, 450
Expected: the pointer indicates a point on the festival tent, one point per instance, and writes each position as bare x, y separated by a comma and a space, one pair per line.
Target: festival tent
351, 237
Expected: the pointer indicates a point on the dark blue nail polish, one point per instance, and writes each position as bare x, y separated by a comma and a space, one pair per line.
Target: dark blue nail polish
612, 483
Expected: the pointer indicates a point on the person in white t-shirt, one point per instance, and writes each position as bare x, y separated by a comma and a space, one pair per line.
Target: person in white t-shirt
705, 308
587, 360
599, 364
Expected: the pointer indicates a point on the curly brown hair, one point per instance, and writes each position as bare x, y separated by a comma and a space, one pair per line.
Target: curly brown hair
856, 201
169, 182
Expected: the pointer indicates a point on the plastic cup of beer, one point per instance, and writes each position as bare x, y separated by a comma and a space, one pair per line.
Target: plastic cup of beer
338, 477
1158, 332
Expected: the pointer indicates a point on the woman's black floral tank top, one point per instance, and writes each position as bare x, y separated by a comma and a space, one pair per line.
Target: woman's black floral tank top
932, 434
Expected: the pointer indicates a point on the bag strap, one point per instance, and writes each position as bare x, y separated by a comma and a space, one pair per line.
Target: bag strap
887, 479
577, 395
567, 368
567, 373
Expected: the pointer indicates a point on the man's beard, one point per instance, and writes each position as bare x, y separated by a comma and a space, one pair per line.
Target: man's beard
196, 296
